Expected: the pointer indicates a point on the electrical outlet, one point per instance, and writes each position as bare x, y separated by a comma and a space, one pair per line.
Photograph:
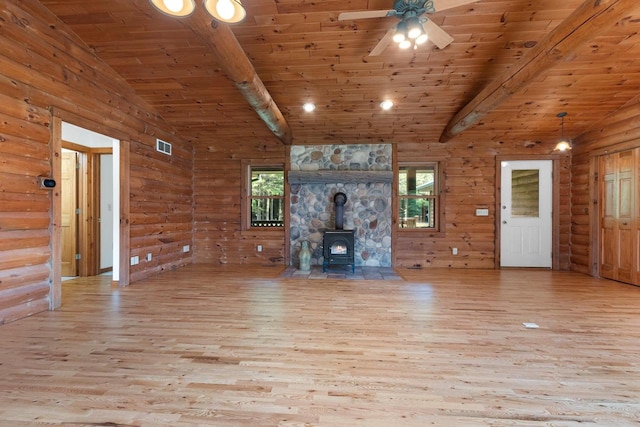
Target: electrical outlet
149, 256
454, 251
185, 248
259, 248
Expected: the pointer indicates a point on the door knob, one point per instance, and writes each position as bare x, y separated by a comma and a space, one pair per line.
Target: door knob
504, 222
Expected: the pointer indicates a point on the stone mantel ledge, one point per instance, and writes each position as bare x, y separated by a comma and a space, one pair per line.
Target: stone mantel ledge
339, 177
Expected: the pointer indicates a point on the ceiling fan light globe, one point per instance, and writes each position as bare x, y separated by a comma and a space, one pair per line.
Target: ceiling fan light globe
414, 27
398, 37
422, 39
405, 44
401, 32
415, 32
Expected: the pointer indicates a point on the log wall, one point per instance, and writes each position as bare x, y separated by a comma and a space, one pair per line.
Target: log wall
470, 182
46, 71
470, 166
618, 132
218, 234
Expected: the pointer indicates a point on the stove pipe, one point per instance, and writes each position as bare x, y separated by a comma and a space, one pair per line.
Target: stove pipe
339, 200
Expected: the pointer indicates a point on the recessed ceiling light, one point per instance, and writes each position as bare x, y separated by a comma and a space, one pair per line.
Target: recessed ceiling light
309, 107
386, 104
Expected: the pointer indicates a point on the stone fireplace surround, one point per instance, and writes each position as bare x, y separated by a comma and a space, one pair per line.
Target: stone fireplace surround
364, 173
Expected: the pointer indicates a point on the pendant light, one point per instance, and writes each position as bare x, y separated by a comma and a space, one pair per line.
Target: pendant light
563, 144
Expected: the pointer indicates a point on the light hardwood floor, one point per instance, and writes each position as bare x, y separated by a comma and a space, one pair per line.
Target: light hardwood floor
216, 346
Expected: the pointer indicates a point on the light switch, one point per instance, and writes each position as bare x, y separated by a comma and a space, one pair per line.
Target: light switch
482, 212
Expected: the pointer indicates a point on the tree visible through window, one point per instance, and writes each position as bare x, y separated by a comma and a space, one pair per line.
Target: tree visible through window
266, 197
418, 196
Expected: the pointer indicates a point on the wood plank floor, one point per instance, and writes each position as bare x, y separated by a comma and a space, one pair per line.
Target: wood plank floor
217, 346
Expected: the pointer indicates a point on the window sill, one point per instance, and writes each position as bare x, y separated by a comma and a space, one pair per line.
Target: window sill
271, 231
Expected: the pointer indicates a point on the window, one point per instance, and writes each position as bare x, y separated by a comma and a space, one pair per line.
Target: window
418, 196
264, 207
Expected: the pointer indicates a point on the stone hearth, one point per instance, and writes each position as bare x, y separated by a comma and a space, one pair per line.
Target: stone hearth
361, 273
368, 208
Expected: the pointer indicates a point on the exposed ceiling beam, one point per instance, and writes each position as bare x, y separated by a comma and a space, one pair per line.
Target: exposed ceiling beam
236, 65
591, 19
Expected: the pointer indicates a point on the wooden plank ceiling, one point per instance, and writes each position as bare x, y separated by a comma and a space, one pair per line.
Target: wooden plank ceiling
302, 52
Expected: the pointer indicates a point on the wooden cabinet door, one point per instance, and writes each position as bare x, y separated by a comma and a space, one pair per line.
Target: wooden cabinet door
619, 216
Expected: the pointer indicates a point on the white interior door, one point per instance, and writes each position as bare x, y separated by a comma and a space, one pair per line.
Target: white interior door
526, 213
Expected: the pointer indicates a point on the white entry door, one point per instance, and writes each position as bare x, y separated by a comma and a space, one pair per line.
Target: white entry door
526, 213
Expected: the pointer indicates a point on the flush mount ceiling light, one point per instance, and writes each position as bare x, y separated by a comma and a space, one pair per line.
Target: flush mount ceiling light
309, 107
179, 8
563, 144
386, 104
228, 11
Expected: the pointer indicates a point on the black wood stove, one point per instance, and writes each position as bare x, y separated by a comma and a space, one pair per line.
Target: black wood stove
339, 245
338, 248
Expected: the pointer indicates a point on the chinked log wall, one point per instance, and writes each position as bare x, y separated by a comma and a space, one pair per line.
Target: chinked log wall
44, 68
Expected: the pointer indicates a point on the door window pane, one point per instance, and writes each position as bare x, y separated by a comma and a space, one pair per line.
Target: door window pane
525, 193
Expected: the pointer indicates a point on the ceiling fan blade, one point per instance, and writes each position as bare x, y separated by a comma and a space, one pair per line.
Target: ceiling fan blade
365, 14
384, 42
440, 5
436, 34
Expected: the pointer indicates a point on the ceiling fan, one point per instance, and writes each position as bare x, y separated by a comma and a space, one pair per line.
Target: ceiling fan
413, 28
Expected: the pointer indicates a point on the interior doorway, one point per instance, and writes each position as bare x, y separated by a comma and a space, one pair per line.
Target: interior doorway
86, 228
526, 213
88, 199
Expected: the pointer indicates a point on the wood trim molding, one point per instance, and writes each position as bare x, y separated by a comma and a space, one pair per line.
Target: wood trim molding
339, 176
55, 299
394, 207
555, 234
287, 207
125, 222
594, 216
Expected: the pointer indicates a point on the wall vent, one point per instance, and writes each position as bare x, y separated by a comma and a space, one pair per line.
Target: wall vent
163, 146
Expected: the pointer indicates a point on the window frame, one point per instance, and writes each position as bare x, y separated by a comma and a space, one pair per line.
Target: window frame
248, 167
437, 197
